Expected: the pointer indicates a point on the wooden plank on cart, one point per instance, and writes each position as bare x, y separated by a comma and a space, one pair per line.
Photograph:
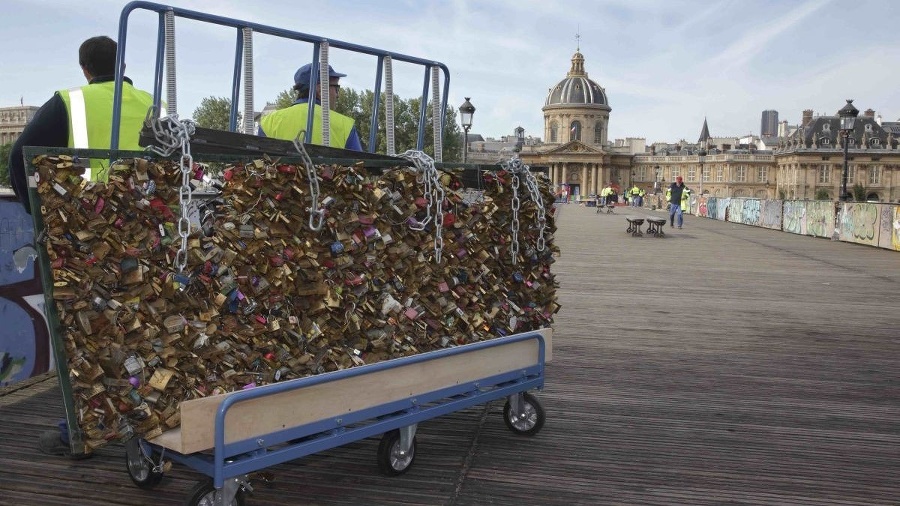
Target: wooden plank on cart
294, 408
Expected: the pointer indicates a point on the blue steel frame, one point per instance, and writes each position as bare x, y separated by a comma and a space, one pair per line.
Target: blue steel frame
250, 455
315, 40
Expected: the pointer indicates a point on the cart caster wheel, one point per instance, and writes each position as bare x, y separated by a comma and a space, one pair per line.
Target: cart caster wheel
139, 466
391, 462
204, 494
530, 421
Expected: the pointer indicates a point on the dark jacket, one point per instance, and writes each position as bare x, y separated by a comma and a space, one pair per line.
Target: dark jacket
675, 192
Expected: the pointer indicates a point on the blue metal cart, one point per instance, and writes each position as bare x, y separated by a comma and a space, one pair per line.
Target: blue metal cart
272, 424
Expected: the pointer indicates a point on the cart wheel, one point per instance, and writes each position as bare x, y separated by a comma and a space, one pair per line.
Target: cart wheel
139, 466
391, 462
530, 421
204, 494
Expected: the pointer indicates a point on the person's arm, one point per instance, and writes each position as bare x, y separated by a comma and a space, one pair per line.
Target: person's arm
353, 140
259, 131
49, 127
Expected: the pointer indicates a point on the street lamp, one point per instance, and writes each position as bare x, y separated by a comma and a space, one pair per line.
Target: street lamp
848, 115
466, 111
702, 158
520, 139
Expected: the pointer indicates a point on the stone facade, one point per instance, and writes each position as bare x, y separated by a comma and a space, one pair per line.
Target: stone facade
13, 121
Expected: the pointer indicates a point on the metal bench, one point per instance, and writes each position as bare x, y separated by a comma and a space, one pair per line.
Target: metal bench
634, 226
655, 227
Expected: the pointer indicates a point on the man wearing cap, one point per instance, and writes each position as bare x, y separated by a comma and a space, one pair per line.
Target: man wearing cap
673, 195
287, 123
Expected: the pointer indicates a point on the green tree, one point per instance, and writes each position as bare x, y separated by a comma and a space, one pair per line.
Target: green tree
284, 99
4, 164
822, 194
214, 112
859, 193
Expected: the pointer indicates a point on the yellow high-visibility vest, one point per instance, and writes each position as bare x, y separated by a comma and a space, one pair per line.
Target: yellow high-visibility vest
90, 119
287, 123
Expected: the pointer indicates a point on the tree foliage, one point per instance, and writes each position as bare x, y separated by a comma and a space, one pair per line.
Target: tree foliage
4, 164
859, 193
214, 112
359, 106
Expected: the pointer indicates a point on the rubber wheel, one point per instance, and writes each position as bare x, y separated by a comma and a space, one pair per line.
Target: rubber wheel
203, 494
139, 468
390, 461
530, 421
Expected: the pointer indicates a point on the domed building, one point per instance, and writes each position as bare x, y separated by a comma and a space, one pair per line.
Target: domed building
576, 152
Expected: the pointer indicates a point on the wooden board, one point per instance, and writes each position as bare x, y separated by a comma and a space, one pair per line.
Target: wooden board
332, 399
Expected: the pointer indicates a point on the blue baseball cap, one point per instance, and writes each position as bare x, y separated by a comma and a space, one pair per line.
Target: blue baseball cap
301, 77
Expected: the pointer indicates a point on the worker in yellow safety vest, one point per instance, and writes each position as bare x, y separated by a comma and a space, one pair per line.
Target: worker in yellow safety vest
288, 123
81, 117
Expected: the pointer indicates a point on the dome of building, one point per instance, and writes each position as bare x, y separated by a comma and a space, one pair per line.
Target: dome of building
576, 88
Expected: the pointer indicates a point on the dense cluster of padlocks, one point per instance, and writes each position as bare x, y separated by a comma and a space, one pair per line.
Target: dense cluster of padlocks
278, 281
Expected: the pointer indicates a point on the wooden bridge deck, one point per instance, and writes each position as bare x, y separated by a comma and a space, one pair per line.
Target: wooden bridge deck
723, 365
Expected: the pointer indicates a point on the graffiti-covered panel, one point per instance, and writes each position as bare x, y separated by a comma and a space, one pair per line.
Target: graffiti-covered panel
889, 228
24, 338
770, 213
859, 223
820, 218
794, 217
722, 209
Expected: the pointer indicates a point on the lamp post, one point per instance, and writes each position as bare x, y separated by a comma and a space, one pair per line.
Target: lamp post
466, 111
520, 139
702, 157
848, 115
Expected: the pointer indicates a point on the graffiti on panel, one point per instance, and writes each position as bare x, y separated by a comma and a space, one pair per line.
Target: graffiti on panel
751, 212
25, 340
820, 218
889, 227
794, 217
701, 206
770, 215
722, 209
735, 210
859, 223
712, 206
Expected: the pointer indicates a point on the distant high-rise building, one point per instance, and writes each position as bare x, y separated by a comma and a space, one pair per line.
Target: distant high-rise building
769, 125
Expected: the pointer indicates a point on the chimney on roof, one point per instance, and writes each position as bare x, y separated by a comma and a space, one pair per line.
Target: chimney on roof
869, 113
807, 117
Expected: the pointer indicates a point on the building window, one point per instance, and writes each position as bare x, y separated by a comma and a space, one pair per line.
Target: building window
598, 133
824, 174
575, 131
554, 134
762, 174
875, 175
675, 172
642, 174
706, 172
875, 142
692, 174
740, 173
720, 174
850, 170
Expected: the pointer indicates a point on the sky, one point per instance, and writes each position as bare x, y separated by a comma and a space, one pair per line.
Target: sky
665, 64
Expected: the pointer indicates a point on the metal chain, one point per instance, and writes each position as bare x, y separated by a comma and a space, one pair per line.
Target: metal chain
531, 183
514, 226
184, 199
434, 197
172, 134
316, 212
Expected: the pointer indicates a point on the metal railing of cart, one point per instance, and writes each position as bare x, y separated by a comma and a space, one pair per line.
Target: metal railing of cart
165, 59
